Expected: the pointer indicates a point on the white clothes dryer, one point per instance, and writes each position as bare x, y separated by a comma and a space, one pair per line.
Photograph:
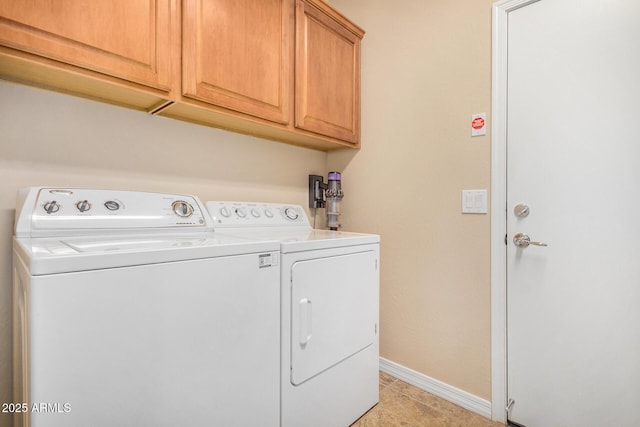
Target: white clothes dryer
130, 311
330, 300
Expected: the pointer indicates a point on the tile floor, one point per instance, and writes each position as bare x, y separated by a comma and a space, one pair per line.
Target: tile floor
402, 404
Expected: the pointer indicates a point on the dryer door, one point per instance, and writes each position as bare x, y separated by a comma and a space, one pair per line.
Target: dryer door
334, 307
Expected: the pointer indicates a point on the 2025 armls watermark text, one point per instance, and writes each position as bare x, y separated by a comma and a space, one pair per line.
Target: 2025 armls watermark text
17, 408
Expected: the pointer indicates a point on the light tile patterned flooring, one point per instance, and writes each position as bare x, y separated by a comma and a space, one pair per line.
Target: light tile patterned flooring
402, 404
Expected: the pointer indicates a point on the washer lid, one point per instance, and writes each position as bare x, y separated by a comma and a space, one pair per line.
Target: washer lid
74, 254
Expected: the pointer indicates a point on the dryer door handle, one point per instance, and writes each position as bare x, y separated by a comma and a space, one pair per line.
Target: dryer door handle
305, 321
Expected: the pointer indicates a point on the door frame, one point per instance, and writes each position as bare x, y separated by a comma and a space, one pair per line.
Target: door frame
499, 39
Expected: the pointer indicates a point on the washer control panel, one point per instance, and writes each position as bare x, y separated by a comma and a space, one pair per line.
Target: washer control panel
51, 211
251, 214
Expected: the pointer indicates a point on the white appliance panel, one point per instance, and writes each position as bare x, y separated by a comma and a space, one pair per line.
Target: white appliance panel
252, 215
153, 345
339, 395
63, 212
330, 285
328, 324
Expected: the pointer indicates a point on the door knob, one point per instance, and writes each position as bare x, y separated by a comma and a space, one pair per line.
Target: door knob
521, 240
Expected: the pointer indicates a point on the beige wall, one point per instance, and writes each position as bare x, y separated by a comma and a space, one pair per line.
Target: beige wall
426, 69
52, 139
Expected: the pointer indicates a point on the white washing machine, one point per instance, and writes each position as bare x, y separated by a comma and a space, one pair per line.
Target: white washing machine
330, 299
130, 311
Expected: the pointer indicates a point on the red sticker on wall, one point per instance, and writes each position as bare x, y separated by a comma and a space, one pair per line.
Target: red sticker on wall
477, 123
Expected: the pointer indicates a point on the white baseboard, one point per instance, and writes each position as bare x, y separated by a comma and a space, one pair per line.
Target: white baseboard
438, 388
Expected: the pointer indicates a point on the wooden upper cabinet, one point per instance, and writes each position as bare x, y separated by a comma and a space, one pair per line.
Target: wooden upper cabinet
238, 55
327, 73
287, 70
126, 39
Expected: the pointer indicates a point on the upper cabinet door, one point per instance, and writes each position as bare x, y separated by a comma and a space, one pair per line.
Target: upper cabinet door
238, 55
121, 38
327, 85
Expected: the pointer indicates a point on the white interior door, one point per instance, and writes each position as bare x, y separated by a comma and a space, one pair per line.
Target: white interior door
573, 153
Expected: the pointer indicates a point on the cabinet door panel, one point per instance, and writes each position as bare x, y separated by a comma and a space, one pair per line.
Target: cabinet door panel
121, 38
237, 54
327, 75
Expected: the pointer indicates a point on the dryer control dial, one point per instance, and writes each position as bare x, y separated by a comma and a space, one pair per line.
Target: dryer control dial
182, 208
291, 214
112, 205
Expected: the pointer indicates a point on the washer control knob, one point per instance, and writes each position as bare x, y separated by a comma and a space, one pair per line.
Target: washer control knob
51, 207
182, 208
225, 212
268, 213
112, 205
291, 214
255, 213
241, 212
83, 205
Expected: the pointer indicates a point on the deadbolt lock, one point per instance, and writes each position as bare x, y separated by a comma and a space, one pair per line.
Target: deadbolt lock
521, 210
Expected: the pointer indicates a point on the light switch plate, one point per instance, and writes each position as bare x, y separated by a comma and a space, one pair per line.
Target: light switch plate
474, 201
